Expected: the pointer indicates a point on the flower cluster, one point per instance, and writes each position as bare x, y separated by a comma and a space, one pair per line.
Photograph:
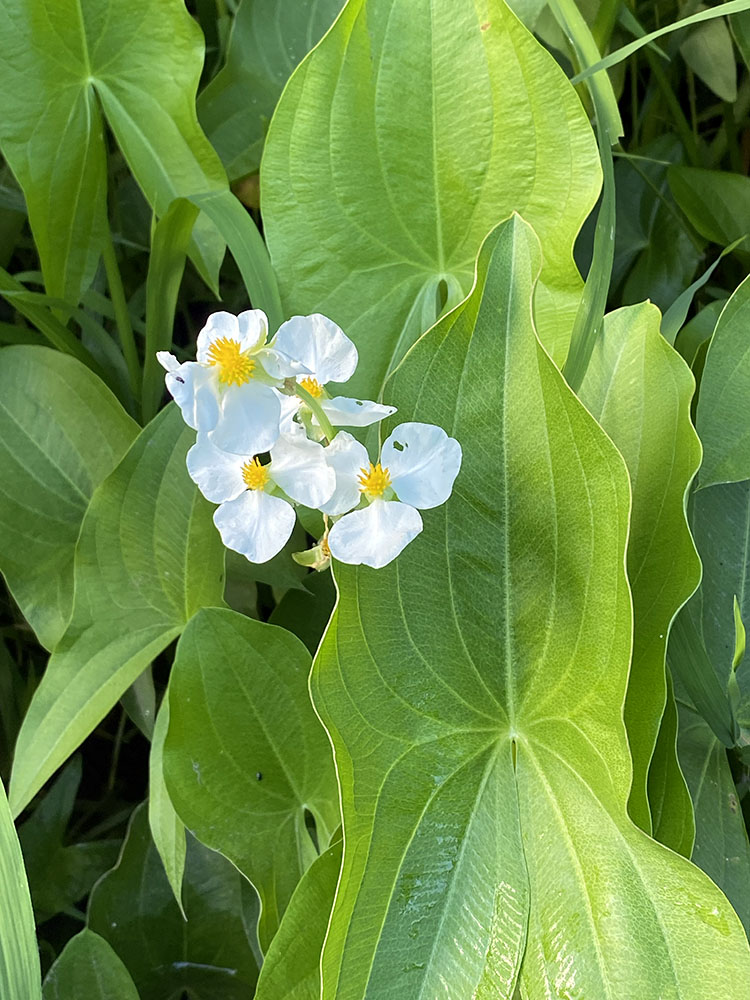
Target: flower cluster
268, 438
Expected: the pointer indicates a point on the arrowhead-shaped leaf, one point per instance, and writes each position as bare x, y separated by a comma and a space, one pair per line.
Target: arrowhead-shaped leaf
474, 692
412, 129
639, 389
147, 559
245, 756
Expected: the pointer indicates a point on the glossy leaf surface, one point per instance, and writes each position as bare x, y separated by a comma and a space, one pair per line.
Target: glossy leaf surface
639, 389
393, 152
473, 691
148, 558
61, 433
245, 756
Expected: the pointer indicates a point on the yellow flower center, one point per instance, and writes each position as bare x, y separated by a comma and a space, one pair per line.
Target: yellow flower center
235, 368
255, 475
374, 481
312, 386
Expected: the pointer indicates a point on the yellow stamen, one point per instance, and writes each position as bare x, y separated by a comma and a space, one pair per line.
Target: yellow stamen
255, 475
374, 481
312, 386
235, 368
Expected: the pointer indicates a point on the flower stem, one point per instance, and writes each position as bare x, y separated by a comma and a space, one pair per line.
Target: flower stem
325, 424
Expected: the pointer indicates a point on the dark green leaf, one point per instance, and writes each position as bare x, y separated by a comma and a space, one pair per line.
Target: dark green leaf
208, 954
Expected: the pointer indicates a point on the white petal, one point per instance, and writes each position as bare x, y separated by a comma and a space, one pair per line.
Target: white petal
218, 325
423, 463
256, 524
345, 412
168, 361
346, 456
289, 406
249, 421
277, 365
299, 467
217, 474
374, 535
321, 346
194, 389
252, 326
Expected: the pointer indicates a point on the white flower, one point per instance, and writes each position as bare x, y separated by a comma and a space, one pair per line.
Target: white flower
253, 518
228, 392
417, 468
328, 355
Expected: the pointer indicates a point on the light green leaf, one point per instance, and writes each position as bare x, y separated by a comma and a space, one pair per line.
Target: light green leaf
268, 39
167, 830
147, 559
716, 202
208, 953
473, 691
639, 389
67, 62
412, 129
301, 934
724, 399
20, 976
721, 845
245, 757
61, 433
88, 967
671, 808
709, 52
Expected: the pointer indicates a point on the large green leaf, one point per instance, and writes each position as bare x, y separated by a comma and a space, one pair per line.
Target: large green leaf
721, 845
301, 934
20, 977
245, 757
88, 967
66, 62
724, 399
209, 954
473, 691
61, 433
411, 130
639, 389
269, 38
673, 818
147, 559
